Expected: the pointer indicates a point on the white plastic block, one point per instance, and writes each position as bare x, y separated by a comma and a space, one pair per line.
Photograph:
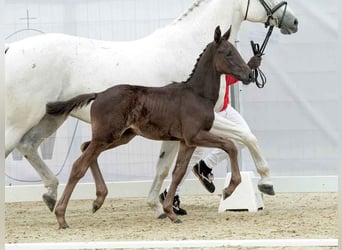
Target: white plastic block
245, 197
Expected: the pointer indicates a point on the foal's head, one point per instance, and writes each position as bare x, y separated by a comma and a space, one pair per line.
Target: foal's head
227, 60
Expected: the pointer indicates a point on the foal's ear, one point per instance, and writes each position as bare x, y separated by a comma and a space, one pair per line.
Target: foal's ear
227, 34
217, 35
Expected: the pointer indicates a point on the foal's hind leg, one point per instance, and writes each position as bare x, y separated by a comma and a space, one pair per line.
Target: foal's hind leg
28, 146
167, 155
78, 170
101, 188
184, 156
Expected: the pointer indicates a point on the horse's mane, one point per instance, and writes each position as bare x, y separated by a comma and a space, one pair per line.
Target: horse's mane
194, 6
194, 68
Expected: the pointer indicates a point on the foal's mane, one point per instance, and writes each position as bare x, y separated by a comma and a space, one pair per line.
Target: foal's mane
186, 13
198, 59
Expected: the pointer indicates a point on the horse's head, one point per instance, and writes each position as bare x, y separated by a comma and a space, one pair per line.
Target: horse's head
227, 60
271, 12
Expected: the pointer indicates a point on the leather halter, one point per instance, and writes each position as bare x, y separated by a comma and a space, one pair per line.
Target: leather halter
259, 50
270, 11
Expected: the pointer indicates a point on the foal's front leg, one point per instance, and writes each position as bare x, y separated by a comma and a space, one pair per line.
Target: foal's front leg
184, 156
235, 179
207, 139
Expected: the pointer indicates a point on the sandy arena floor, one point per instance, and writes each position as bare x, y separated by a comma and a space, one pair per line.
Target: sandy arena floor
308, 215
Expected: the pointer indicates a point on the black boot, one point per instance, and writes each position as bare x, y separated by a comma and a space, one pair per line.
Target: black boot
176, 203
205, 176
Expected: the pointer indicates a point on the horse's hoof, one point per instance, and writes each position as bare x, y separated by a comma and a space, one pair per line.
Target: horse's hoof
266, 189
49, 201
162, 216
225, 195
64, 226
177, 221
95, 207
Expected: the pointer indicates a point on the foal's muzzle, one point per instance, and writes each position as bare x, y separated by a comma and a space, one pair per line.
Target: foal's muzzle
249, 78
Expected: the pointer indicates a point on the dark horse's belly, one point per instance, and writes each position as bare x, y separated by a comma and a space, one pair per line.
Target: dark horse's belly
155, 132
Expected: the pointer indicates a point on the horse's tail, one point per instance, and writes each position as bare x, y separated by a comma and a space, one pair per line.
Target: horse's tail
64, 108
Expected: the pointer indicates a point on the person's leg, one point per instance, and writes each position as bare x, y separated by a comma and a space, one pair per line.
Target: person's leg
217, 155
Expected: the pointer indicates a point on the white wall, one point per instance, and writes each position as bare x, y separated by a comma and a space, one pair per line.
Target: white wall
100, 19
293, 117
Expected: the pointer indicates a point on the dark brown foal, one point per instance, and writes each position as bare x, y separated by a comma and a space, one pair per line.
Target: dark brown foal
120, 113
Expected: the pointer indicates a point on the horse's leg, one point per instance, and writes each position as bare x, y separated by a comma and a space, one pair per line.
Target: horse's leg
100, 185
78, 170
11, 140
13, 134
101, 188
265, 184
207, 139
167, 155
28, 146
227, 129
184, 155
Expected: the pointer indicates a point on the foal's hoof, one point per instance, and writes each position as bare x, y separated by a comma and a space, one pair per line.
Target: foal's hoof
49, 201
266, 189
177, 221
225, 195
64, 226
95, 207
162, 216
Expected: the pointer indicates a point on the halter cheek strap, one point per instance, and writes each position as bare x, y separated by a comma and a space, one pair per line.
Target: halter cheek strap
247, 10
270, 11
259, 50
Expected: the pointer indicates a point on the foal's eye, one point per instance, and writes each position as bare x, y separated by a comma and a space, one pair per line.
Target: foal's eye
228, 54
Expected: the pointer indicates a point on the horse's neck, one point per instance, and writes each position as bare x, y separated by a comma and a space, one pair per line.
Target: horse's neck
191, 31
197, 24
205, 80
206, 85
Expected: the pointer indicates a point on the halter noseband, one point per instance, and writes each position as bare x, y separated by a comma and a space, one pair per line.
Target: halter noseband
270, 11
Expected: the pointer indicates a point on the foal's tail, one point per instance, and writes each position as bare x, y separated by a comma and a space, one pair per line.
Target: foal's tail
64, 108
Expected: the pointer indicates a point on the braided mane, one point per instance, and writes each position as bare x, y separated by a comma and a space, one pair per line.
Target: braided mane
198, 59
186, 13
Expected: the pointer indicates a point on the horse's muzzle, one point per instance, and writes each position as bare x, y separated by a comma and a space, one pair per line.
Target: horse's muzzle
249, 78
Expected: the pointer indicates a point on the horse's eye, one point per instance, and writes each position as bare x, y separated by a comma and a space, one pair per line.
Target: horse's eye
228, 54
